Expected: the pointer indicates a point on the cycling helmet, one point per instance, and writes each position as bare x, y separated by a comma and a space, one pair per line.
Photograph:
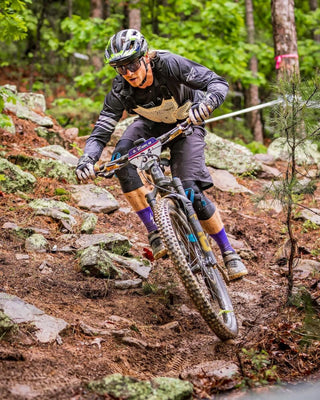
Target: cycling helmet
124, 47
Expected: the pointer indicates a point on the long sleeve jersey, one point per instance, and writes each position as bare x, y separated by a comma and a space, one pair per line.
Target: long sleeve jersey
177, 84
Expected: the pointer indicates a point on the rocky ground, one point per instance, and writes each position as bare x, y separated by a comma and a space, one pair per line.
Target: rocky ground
151, 330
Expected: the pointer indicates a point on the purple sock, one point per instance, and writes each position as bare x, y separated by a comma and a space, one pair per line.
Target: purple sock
222, 241
146, 216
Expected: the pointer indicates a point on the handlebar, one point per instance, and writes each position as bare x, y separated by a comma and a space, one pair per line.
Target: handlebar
107, 170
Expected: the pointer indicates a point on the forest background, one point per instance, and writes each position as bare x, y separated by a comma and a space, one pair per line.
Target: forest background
57, 48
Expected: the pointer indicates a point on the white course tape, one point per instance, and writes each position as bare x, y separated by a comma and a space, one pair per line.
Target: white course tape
309, 104
245, 110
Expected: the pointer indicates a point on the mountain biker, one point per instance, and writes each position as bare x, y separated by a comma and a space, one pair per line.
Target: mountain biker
162, 89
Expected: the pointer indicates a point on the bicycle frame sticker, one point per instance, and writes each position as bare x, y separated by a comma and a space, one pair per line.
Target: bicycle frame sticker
141, 155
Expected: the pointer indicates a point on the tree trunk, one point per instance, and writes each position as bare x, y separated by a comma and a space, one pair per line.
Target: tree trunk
252, 94
313, 4
134, 15
70, 8
154, 7
106, 9
285, 38
97, 9
97, 12
313, 7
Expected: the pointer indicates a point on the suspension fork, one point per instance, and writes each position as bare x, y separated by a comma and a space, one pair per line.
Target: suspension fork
160, 180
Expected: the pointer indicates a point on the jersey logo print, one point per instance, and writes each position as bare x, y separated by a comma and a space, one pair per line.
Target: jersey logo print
192, 75
168, 111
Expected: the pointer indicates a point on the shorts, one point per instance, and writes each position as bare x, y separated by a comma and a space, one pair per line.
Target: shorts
187, 159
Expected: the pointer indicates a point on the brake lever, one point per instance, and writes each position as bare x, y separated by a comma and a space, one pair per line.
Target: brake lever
108, 175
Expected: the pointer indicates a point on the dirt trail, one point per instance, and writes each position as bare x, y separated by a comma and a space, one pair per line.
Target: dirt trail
145, 332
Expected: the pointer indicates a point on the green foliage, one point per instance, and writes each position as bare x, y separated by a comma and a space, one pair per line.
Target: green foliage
4, 121
79, 150
211, 33
6, 95
60, 191
309, 226
258, 369
149, 288
234, 129
12, 23
256, 147
80, 113
309, 332
294, 122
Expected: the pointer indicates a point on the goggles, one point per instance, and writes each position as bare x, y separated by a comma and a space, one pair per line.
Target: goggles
132, 67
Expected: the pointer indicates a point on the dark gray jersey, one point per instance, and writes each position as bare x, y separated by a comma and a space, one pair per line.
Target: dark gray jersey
178, 82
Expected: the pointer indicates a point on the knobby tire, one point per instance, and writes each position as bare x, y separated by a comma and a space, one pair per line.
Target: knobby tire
204, 285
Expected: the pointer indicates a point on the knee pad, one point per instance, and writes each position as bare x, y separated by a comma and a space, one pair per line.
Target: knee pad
203, 207
128, 177
121, 148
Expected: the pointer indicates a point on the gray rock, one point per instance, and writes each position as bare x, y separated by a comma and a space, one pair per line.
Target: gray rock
128, 284
11, 88
114, 242
68, 215
247, 297
131, 263
268, 172
24, 230
55, 209
22, 257
48, 327
37, 243
24, 392
162, 388
120, 128
55, 169
95, 261
70, 134
267, 159
23, 112
14, 179
94, 198
305, 268
89, 223
273, 204
217, 369
226, 182
35, 101
306, 152
58, 153
223, 154
313, 215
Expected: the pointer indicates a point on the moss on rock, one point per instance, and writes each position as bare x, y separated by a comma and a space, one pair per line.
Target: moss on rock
6, 325
54, 169
125, 387
13, 179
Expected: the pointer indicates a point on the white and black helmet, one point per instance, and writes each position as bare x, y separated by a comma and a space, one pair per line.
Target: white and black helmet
124, 47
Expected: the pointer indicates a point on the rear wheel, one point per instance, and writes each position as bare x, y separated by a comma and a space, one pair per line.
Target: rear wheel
204, 283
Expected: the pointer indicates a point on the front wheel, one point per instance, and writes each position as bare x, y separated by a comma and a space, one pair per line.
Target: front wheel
203, 282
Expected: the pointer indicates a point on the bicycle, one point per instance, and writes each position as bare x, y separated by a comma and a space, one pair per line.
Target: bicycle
186, 242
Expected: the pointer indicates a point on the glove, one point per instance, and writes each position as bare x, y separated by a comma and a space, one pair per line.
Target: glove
85, 168
199, 112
